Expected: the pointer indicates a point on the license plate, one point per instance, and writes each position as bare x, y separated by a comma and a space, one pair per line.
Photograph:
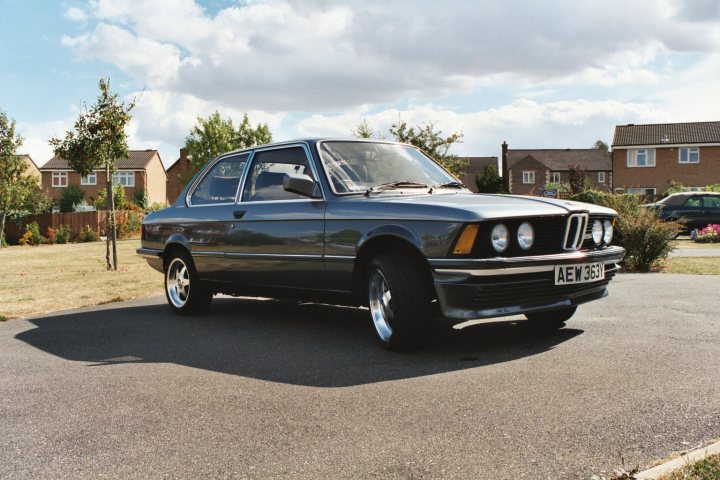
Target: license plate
582, 273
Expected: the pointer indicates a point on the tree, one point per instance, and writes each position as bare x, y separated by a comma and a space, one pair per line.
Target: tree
489, 181
432, 142
98, 141
213, 136
600, 145
577, 178
16, 188
363, 130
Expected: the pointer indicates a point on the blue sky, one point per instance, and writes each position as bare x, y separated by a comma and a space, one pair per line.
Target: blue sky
532, 74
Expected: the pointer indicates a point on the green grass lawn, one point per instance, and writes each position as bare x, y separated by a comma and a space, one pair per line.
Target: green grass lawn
46, 278
692, 265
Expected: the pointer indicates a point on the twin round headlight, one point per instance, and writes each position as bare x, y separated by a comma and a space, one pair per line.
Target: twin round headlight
500, 237
602, 232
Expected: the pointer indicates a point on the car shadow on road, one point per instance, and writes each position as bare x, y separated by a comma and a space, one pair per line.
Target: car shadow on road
278, 341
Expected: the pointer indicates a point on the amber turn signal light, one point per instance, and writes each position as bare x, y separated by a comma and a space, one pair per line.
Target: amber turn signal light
466, 241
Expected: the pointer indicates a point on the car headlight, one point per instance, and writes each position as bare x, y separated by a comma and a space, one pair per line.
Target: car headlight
597, 232
608, 235
499, 237
526, 236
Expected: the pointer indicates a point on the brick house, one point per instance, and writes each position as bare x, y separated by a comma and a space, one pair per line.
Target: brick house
476, 165
176, 176
646, 159
32, 169
529, 171
143, 170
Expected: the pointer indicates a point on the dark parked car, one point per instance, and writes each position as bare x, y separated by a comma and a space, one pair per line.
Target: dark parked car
698, 209
378, 224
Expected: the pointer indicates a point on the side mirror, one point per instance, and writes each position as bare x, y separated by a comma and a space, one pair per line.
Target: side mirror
301, 184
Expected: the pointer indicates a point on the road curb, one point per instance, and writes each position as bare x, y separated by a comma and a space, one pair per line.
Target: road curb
679, 462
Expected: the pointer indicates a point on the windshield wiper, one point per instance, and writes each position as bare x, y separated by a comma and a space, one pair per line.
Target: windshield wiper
394, 185
446, 185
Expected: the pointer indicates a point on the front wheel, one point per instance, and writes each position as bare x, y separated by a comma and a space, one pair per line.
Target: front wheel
399, 296
551, 319
185, 292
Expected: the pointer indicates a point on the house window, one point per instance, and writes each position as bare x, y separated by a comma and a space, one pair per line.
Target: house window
641, 157
59, 179
528, 177
689, 155
90, 179
126, 179
601, 177
554, 177
641, 191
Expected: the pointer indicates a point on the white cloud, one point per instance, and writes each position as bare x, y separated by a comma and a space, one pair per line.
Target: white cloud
291, 55
566, 72
523, 123
75, 14
36, 138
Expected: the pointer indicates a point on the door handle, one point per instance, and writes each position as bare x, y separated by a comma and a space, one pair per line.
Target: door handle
239, 214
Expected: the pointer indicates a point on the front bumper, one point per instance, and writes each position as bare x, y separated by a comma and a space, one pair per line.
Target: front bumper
493, 287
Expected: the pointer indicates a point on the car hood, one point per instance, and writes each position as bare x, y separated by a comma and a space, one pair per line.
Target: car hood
466, 207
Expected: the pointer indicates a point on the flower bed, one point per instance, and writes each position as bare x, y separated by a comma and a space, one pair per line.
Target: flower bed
709, 234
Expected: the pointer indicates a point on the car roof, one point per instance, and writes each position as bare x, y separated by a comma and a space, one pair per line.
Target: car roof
680, 197
314, 140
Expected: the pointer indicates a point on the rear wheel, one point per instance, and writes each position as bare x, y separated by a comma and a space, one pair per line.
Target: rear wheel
185, 292
399, 296
551, 319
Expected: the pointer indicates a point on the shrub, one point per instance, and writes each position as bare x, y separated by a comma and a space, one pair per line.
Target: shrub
644, 236
51, 235
62, 234
71, 196
118, 198
133, 223
709, 234
141, 199
87, 234
489, 181
32, 235
155, 206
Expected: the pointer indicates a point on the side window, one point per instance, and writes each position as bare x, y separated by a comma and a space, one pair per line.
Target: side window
693, 202
220, 183
265, 180
712, 202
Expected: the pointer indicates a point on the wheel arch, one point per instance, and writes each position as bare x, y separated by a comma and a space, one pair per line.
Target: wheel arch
385, 242
175, 243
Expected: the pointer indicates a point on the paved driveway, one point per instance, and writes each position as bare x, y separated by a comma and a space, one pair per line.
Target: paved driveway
264, 389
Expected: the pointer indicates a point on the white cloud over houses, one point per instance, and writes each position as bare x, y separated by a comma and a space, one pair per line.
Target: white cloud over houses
537, 74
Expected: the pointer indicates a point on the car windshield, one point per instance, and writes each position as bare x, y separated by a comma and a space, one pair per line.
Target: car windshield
354, 167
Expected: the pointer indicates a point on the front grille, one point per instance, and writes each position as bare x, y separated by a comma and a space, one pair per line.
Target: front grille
533, 289
575, 231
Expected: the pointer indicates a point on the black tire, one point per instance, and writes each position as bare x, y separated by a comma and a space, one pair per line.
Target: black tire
550, 319
184, 291
399, 298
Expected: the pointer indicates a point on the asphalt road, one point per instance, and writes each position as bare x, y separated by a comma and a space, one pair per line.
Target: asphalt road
265, 389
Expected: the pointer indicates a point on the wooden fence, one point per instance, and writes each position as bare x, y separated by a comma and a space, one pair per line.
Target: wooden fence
75, 221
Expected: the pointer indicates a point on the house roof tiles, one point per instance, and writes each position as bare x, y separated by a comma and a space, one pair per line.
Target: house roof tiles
560, 159
667, 133
137, 160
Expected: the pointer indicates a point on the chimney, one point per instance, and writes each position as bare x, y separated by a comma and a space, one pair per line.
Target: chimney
504, 164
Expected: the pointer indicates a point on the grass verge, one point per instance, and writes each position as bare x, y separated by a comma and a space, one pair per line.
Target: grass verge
695, 245
692, 265
706, 469
46, 278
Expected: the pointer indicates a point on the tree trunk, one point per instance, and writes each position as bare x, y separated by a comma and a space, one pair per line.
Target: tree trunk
108, 208
2, 230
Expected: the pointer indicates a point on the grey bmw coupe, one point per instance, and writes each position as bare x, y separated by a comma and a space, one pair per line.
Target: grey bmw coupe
376, 224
